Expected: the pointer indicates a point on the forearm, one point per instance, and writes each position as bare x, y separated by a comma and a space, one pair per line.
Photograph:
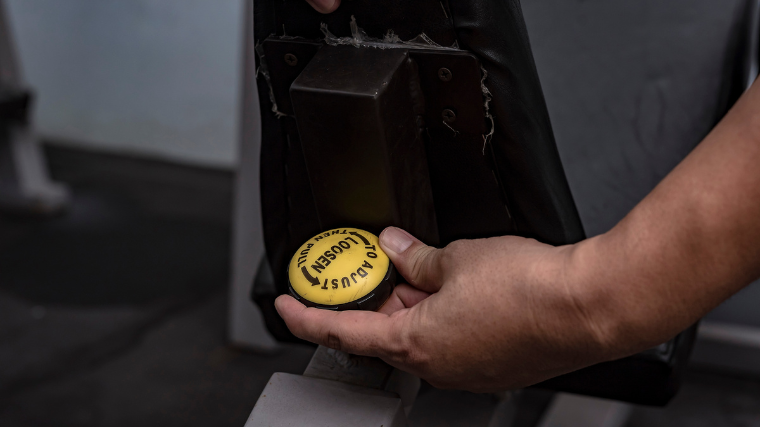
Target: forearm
690, 244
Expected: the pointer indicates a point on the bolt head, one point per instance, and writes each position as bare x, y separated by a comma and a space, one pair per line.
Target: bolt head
291, 59
445, 74
449, 116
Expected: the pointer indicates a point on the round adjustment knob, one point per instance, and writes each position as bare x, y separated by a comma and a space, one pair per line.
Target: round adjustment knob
342, 269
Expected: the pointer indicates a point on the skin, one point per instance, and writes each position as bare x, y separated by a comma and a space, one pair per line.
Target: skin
324, 6
507, 312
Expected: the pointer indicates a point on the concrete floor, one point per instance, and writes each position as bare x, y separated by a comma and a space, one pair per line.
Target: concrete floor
176, 370
115, 315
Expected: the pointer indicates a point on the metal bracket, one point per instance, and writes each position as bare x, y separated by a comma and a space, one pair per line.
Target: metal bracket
449, 80
285, 60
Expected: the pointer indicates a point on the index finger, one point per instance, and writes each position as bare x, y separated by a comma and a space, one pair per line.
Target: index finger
364, 333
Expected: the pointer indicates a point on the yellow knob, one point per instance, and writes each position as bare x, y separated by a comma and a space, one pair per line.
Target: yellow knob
341, 269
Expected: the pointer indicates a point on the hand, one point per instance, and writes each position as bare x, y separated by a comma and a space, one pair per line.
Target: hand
506, 312
324, 6
481, 315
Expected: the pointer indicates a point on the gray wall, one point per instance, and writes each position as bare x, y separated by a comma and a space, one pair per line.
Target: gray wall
155, 77
632, 87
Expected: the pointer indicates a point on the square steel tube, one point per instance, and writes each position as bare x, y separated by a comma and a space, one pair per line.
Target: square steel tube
359, 116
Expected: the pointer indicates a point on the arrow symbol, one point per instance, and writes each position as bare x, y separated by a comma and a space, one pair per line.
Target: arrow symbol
313, 280
366, 242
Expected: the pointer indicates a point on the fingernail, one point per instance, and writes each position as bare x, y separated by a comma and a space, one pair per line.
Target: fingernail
278, 303
324, 6
396, 239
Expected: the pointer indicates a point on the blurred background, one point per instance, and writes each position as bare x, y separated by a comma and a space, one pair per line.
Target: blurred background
130, 231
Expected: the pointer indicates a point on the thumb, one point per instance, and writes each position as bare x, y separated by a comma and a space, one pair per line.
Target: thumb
418, 263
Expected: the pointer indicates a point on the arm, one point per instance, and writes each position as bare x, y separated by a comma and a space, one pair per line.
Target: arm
506, 312
690, 244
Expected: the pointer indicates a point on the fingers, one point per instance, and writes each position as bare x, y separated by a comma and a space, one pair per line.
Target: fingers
324, 6
418, 263
404, 296
364, 333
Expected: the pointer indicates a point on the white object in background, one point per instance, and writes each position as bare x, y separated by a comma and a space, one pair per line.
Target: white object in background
24, 183
155, 79
294, 400
246, 326
730, 333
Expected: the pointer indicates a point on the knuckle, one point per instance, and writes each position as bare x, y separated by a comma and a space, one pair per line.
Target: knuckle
457, 246
333, 339
417, 264
453, 252
450, 259
417, 359
413, 353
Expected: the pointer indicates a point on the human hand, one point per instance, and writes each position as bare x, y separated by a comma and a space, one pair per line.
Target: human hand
481, 315
506, 312
324, 6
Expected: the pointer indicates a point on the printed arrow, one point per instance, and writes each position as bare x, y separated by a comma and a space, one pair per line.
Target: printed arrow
313, 280
364, 239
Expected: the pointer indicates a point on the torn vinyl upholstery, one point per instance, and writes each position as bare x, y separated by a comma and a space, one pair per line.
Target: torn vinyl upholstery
469, 159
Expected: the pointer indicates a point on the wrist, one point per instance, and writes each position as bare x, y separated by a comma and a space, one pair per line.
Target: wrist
612, 285
592, 298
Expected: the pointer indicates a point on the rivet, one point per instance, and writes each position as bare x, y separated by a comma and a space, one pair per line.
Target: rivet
445, 74
291, 59
449, 116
